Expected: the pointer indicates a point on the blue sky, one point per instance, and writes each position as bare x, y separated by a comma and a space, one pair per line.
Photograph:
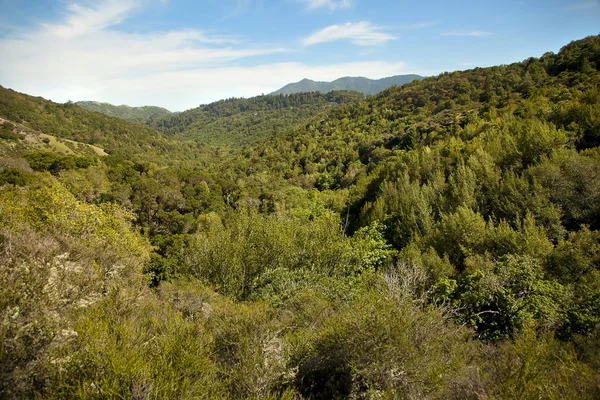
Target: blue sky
182, 53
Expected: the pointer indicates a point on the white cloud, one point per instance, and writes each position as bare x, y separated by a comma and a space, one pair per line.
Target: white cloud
361, 34
110, 54
180, 90
81, 20
83, 57
332, 5
468, 33
82, 52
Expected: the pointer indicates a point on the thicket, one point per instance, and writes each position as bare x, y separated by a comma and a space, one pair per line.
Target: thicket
438, 240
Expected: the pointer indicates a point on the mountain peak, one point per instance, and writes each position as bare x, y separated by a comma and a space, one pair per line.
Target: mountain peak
359, 84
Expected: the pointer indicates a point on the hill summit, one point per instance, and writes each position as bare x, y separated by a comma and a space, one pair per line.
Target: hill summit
131, 114
359, 84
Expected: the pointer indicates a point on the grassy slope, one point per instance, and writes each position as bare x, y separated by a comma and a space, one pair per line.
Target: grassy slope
70, 122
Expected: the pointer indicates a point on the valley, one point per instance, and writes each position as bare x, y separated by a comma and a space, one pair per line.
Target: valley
436, 240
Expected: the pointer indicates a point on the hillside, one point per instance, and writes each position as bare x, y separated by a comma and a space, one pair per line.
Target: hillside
71, 122
131, 114
365, 86
439, 240
235, 123
20, 140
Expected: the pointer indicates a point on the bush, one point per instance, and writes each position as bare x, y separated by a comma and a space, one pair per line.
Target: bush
537, 366
383, 346
243, 255
14, 176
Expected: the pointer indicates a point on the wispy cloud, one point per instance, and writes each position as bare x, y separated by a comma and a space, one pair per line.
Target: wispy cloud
83, 51
83, 56
241, 7
332, 5
468, 33
418, 25
586, 5
361, 34
81, 20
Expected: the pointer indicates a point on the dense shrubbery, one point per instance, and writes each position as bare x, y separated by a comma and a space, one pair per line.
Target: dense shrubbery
438, 240
58, 258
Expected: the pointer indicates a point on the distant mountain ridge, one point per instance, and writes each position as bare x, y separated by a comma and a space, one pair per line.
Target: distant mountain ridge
127, 113
359, 84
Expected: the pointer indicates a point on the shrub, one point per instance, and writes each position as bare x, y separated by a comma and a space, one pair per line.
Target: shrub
383, 346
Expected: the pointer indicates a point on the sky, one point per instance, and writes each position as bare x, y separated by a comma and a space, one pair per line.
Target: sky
179, 54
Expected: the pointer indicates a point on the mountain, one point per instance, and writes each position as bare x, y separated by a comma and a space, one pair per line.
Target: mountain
131, 114
365, 86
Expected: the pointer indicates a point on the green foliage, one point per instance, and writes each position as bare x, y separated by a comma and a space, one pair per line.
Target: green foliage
100, 233
438, 240
46, 161
236, 123
7, 132
459, 234
577, 257
131, 114
417, 354
131, 345
273, 255
58, 257
89, 184
501, 298
13, 176
537, 366
573, 182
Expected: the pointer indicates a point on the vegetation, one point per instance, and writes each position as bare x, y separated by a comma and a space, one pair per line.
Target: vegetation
236, 123
439, 240
131, 114
68, 121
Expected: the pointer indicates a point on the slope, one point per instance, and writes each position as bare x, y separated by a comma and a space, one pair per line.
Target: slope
359, 84
131, 114
18, 140
70, 122
561, 88
235, 123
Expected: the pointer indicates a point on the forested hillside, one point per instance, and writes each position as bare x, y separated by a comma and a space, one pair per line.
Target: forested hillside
365, 86
439, 240
235, 123
131, 114
71, 122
